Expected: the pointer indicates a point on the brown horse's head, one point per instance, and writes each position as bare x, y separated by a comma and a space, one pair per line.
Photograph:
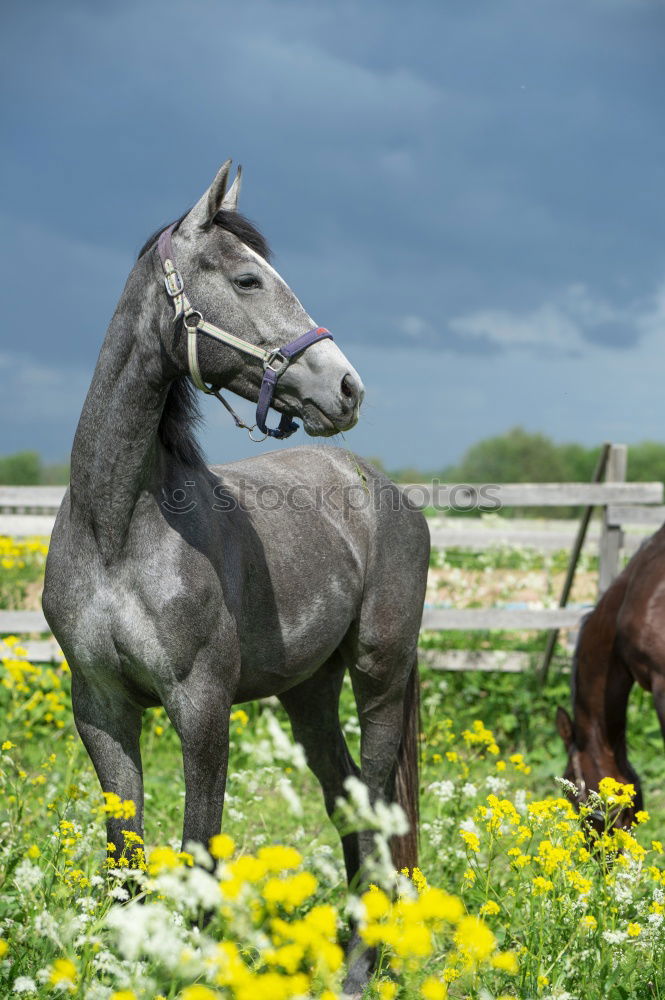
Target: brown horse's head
589, 761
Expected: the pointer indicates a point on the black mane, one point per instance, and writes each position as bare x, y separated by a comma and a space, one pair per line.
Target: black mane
182, 413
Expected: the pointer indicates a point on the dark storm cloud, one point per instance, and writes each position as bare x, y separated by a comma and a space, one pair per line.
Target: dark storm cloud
437, 178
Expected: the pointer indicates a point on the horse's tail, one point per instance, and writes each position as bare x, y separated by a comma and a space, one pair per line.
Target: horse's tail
404, 849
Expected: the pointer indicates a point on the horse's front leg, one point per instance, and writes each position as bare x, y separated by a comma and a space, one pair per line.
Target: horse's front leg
109, 724
199, 708
658, 695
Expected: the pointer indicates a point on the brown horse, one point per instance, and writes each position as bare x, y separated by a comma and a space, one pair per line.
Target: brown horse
620, 642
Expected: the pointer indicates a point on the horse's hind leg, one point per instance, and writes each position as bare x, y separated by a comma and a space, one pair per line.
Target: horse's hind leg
313, 709
110, 727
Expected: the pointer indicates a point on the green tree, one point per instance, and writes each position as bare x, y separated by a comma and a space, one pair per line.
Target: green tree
22, 469
517, 456
646, 462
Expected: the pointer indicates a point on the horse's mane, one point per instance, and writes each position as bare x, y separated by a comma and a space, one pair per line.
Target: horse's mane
182, 413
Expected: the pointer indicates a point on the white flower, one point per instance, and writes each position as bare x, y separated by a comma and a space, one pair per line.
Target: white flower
444, 790
117, 892
496, 784
615, 937
146, 930
27, 875
469, 791
520, 800
285, 749
388, 818
290, 796
656, 919
469, 825
24, 984
46, 926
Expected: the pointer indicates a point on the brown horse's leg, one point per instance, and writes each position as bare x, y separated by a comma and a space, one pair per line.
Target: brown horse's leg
658, 693
110, 726
313, 709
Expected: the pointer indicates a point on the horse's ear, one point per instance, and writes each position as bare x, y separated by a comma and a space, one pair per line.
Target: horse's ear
230, 200
203, 214
564, 725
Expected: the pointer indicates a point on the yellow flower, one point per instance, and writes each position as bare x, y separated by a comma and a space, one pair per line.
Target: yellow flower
117, 808
387, 991
63, 973
641, 816
433, 989
123, 995
198, 992
8, 745
471, 840
489, 909
163, 859
614, 793
277, 858
33, 851
469, 876
583, 885
4, 947
541, 885
634, 930
289, 892
435, 904
474, 939
588, 923
506, 961
543, 981
414, 941
222, 846
376, 903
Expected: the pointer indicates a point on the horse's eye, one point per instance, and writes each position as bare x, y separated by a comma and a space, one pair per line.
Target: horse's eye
247, 281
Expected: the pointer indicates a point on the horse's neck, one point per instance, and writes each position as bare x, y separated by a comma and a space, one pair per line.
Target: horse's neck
602, 685
116, 456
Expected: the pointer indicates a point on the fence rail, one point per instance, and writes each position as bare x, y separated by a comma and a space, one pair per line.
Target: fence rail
30, 510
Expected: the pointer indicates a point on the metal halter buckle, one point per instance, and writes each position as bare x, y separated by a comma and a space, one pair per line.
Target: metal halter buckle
173, 283
276, 357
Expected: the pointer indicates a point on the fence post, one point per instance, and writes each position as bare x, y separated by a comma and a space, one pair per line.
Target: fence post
598, 474
611, 537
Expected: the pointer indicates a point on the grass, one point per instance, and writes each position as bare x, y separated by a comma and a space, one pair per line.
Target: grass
516, 906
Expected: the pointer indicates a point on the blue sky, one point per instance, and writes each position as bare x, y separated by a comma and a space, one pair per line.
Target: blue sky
470, 195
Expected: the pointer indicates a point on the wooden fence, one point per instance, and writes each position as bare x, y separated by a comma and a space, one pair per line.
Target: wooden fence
31, 510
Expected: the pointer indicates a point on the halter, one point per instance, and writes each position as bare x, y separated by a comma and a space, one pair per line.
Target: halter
275, 362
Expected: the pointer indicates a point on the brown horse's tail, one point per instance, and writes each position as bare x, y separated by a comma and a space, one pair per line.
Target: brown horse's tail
404, 849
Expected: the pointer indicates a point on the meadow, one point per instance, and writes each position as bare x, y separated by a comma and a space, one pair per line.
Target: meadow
513, 897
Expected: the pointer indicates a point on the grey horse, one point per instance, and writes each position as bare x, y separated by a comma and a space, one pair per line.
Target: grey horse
172, 583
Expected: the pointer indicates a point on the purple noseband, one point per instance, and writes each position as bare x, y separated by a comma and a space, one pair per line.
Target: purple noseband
282, 359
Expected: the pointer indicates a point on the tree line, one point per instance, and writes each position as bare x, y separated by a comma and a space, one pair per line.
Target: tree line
517, 456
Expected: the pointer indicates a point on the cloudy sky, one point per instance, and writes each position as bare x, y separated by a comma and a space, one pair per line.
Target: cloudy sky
469, 193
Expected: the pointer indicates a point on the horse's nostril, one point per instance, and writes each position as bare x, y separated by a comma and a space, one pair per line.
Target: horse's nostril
349, 388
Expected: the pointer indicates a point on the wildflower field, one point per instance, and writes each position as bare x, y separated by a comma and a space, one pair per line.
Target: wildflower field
513, 897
